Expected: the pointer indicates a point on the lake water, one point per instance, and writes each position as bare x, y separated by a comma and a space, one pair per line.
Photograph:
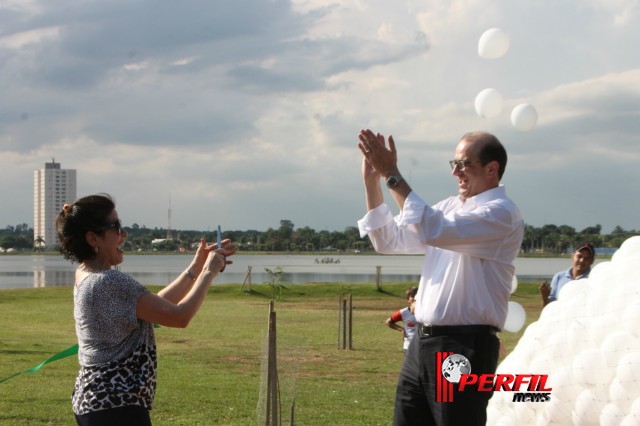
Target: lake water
41, 271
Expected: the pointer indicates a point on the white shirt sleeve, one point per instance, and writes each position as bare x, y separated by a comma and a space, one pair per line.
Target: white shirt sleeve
399, 234
474, 228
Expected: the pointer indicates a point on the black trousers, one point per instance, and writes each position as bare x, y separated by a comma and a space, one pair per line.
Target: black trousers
416, 401
129, 415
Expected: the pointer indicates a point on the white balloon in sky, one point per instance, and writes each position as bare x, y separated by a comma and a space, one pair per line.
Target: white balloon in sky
524, 117
516, 317
488, 103
493, 44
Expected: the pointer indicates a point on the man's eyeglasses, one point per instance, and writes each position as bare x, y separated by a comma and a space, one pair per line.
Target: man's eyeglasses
461, 163
116, 224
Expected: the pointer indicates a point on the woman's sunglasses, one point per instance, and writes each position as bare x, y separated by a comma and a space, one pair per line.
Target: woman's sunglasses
116, 224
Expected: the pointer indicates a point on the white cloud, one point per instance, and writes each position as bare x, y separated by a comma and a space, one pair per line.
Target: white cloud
23, 39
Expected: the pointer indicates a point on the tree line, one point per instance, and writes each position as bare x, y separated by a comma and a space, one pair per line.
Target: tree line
547, 239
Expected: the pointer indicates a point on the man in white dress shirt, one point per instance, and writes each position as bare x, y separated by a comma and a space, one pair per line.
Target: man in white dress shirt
470, 242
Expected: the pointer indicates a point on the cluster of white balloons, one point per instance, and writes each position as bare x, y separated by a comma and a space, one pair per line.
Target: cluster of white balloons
493, 44
588, 342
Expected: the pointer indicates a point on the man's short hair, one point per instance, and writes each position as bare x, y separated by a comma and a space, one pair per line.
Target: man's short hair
491, 150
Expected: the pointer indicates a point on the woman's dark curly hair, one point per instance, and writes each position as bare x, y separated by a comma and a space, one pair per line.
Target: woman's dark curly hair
75, 220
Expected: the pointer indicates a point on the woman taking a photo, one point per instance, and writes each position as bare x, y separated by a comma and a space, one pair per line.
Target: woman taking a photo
114, 314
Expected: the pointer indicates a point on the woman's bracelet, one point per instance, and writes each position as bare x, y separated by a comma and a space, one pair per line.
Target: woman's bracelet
190, 274
224, 265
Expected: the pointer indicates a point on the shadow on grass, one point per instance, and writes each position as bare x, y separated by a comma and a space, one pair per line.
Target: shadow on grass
270, 295
388, 293
255, 293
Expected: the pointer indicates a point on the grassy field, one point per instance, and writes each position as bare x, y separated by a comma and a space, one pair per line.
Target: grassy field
210, 373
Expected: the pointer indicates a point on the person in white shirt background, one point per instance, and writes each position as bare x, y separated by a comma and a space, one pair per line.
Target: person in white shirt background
405, 315
469, 242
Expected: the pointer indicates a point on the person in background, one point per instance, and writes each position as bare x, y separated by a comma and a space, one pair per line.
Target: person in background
114, 314
405, 315
581, 262
469, 243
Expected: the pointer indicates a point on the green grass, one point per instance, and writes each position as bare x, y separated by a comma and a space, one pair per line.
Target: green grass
210, 373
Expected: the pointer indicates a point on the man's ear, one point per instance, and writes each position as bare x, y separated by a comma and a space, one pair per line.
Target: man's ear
492, 168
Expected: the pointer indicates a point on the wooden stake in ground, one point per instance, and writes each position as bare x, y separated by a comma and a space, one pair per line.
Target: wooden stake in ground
345, 322
247, 280
272, 417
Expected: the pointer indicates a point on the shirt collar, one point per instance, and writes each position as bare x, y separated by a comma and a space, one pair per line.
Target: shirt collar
484, 197
579, 277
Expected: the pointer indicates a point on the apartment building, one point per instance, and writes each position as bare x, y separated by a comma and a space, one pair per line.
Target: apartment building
52, 188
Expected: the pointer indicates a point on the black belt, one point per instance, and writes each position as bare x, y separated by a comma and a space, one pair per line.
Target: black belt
448, 330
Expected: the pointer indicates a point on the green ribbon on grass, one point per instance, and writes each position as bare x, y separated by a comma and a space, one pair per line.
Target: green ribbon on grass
67, 352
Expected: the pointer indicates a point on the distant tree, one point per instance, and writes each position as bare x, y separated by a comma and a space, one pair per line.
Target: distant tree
352, 235
16, 242
592, 230
325, 239
567, 230
286, 226
272, 240
618, 231
285, 232
527, 240
38, 243
168, 245
306, 239
549, 238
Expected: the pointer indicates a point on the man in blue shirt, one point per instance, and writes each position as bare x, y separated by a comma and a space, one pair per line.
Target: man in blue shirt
581, 262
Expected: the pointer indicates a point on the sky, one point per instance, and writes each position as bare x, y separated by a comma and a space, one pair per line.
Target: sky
244, 113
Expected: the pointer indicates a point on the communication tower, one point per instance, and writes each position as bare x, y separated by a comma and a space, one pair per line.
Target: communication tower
169, 232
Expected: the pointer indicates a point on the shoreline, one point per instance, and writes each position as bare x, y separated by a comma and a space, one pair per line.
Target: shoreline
301, 253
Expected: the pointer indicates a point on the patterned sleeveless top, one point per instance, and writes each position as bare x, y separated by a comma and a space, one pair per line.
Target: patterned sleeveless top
116, 350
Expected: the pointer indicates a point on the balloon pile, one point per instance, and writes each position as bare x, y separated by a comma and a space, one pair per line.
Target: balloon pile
493, 44
588, 343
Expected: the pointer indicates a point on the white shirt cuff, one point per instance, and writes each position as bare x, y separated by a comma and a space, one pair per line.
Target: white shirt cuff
374, 219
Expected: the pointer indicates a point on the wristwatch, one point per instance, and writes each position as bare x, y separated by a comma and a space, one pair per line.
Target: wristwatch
393, 181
